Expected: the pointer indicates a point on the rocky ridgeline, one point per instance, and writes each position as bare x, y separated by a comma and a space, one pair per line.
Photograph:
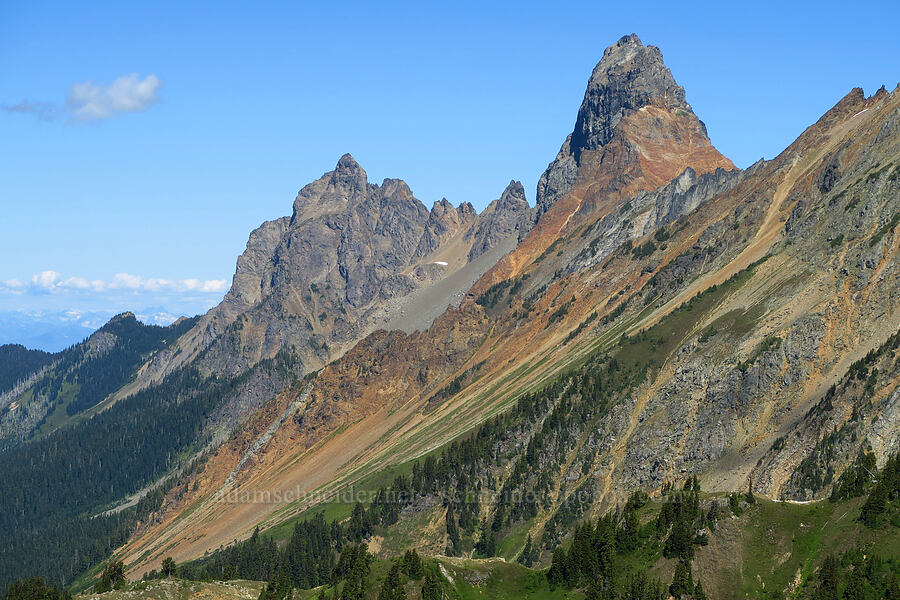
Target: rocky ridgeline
340, 266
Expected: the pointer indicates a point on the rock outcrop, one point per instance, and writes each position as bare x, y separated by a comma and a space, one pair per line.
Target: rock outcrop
444, 223
505, 217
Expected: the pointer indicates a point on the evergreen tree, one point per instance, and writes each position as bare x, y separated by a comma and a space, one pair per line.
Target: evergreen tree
600, 588
829, 579
712, 515
680, 543
168, 567
392, 588
893, 589
558, 574
734, 502
358, 528
353, 568
858, 587
875, 505
453, 548
749, 497
411, 565
627, 535
35, 588
278, 588
112, 578
431, 587
682, 581
529, 553
641, 587
699, 594
485, 545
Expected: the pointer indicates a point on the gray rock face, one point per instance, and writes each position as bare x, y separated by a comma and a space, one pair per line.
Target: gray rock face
557, 179
627, 78
251, 278
649, 211
444, 222
509, 215
318, 281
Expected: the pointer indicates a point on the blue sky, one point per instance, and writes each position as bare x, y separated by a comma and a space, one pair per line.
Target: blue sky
141, 144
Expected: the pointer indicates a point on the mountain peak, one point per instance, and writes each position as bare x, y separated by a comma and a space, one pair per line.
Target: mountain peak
630, 43
629, 77
332, 191
514, 194
347, 163
507, 216
349, 171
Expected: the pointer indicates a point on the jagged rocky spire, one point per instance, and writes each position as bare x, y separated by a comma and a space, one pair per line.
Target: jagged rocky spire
629, 77
508, 215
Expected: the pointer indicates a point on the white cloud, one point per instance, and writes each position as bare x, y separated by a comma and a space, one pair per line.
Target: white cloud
156, 284
80, 283
45, 280
52, 282
89, 101
126, 281
210, 285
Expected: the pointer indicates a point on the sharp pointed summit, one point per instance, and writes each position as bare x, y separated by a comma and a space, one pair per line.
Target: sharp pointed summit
629, 78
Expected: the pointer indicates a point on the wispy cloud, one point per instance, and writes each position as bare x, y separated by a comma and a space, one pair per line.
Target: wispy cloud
42, 111
91, 102
52, 282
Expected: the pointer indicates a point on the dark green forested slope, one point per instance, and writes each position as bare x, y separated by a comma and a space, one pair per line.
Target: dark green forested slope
54, 487
96, 374
17, 362
77, 378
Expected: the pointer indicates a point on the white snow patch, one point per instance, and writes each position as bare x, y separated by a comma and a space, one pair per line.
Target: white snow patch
440, 262
796, 502
860, 112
